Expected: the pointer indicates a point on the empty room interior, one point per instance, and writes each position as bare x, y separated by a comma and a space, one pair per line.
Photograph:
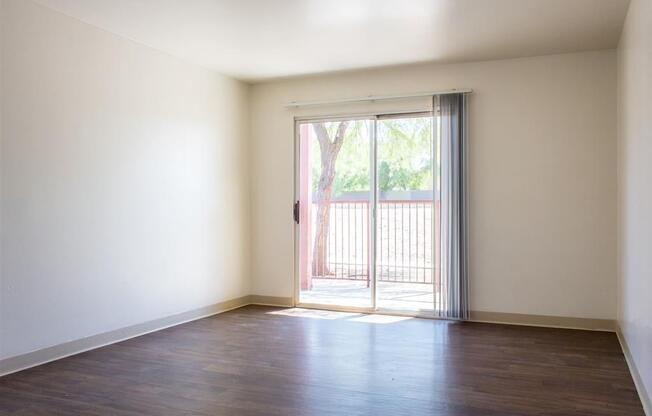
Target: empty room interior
310, 207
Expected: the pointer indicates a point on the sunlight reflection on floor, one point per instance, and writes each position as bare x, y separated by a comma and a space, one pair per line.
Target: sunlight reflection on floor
350, 316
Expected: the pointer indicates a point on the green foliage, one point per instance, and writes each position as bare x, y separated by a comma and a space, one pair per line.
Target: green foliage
404, 156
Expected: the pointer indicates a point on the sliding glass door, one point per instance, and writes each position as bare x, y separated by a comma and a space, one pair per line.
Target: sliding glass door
367, 213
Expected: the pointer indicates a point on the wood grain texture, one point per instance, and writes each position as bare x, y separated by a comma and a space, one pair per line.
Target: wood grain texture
262, 361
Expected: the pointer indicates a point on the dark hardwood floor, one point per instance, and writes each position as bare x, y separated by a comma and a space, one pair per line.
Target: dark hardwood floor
260, 361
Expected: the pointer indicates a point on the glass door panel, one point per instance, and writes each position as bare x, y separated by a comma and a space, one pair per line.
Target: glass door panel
407, 215
335, 186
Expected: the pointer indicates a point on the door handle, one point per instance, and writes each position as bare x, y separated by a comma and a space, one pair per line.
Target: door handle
296, 211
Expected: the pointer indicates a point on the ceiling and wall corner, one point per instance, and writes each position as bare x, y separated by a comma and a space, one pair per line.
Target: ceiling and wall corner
299, 37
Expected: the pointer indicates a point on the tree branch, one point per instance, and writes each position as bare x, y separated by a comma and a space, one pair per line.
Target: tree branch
341, 131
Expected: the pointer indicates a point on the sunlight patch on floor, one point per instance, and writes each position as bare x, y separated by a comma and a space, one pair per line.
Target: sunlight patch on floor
314, 313
331, 315
380, 319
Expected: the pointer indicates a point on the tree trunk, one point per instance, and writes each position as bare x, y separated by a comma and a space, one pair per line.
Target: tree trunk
329, 151
319, 261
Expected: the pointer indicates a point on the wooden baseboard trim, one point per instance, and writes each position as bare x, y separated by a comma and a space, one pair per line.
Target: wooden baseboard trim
56, 352
646, 401
271, 301
608, 325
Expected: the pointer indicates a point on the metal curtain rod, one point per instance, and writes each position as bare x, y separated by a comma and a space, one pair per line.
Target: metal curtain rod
295, 104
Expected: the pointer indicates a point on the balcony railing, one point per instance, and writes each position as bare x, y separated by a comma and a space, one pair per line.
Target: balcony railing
404, 241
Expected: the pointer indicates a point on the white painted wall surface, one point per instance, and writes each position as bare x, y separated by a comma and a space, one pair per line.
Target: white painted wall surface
2, 12
542, 171
635, 187
124, 182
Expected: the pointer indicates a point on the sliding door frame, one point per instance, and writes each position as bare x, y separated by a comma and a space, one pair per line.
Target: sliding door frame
372, 231
374, 117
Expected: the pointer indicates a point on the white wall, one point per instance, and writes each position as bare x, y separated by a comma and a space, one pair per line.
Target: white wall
124, 182
635, 186
542, 168
1, 129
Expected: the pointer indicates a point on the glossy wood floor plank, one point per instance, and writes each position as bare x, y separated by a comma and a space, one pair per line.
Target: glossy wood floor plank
267, 361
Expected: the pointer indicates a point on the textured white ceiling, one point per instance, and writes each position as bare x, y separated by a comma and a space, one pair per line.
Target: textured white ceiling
259, 39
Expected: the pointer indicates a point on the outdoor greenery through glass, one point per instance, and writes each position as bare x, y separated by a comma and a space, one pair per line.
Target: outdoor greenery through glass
405, 161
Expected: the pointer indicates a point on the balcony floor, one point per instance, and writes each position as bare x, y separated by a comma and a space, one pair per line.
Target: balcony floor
355, 293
